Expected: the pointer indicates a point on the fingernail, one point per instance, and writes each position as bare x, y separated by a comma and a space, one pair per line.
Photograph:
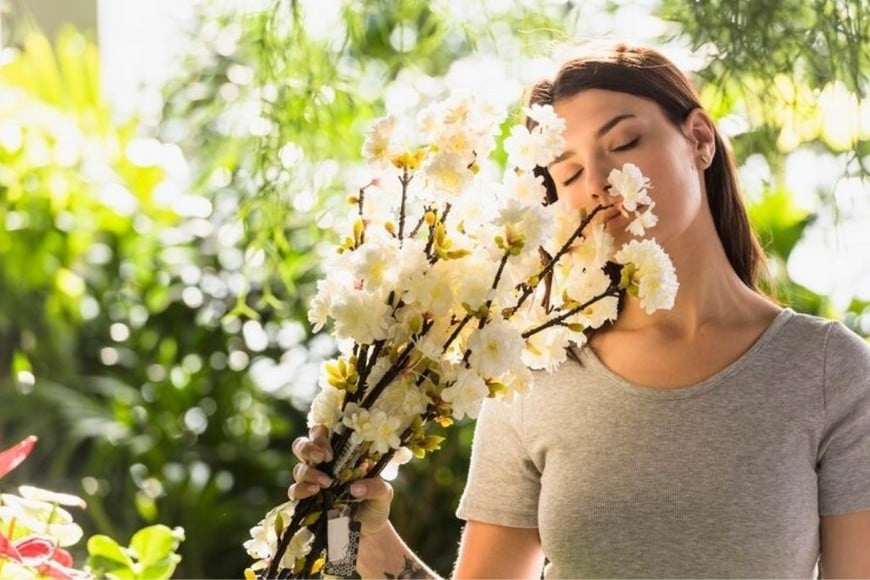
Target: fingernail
316, 456
324, 480
357, 489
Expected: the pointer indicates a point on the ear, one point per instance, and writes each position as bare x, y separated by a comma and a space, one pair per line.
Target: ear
699, 130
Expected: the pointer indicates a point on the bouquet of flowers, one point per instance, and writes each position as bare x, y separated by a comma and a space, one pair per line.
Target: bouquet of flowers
35, 531
453, 283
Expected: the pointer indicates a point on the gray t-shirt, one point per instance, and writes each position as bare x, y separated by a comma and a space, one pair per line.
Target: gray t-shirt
726, 478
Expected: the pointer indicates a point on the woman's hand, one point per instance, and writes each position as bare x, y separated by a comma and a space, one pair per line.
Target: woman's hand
313, 450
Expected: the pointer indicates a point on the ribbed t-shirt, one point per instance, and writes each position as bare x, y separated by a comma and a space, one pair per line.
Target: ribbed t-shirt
725, 478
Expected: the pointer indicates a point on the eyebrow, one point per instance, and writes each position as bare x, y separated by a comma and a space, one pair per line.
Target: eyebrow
598, 134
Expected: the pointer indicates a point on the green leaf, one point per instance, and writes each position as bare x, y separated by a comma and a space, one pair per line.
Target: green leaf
106, 556
779, 222
153, 544
160, 570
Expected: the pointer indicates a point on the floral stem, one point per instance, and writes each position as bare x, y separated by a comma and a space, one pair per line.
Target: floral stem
612, 290
366, 370
303, 508
548, 267
360, 199
420, 221
404, 180
431, 240
395, 369
482, 322
456, 332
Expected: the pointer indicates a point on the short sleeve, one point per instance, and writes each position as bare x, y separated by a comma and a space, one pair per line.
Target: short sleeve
844, 450
503, 483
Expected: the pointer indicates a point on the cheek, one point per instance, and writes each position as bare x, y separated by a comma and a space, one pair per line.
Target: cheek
570, 196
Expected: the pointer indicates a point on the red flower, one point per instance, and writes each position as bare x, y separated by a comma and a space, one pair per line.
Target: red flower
12, 457
42, 555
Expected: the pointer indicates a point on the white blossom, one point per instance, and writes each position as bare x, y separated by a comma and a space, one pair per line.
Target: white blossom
446, 173
521, 147
372, 426
594, 247
431, 288
318, 311
473, 215
402, 456
644, 220
466, 395
362, 316
654, 280
299, 546
547, 349
473, 279
404, 401
326, 407
545, 116
597, 313
379, 145
378, 262
457, 140
524, 186
525, 223
631, 185
581, 285
519, 380
264, 539
494, 348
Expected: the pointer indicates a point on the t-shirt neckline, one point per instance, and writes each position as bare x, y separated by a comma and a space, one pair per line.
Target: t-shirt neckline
591, 360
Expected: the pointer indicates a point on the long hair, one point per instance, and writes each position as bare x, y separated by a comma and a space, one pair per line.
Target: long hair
644, 72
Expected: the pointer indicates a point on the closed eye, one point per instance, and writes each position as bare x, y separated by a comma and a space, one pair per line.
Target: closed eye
573, 178
628, 145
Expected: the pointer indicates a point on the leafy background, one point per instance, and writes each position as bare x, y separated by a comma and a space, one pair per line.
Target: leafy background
154, 270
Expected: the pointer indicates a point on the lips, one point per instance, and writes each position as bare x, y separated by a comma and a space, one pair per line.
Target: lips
614, 213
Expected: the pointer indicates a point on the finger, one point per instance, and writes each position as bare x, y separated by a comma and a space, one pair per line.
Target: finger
372, 489
303, 473
302, 490
308, 451
301, 448
319, 436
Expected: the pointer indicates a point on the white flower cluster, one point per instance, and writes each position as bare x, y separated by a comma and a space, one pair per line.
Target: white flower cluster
459, 285
264, 538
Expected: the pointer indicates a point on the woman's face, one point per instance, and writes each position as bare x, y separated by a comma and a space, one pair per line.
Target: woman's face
606, 129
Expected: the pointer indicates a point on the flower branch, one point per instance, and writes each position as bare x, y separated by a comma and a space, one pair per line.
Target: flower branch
403, 301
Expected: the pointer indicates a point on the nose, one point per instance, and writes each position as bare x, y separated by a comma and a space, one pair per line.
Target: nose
597, 186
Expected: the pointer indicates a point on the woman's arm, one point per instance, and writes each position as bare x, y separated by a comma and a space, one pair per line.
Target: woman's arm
492, 551
385, 555
486, 551
845, 543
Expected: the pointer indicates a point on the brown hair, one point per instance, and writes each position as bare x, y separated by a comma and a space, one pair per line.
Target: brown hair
646, 73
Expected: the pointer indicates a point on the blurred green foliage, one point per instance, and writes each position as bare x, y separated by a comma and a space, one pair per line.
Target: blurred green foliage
155, 272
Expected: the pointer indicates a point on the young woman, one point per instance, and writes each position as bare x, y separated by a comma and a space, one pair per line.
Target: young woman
727, 437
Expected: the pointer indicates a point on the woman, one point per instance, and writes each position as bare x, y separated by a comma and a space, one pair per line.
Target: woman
724, 437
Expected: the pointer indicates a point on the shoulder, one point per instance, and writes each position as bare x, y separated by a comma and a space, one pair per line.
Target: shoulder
830, 340
839, 339
847, 355
806, 331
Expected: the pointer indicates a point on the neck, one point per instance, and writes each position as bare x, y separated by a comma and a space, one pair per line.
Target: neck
710, 293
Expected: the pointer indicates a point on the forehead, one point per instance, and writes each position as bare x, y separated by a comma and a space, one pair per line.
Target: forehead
589, 109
